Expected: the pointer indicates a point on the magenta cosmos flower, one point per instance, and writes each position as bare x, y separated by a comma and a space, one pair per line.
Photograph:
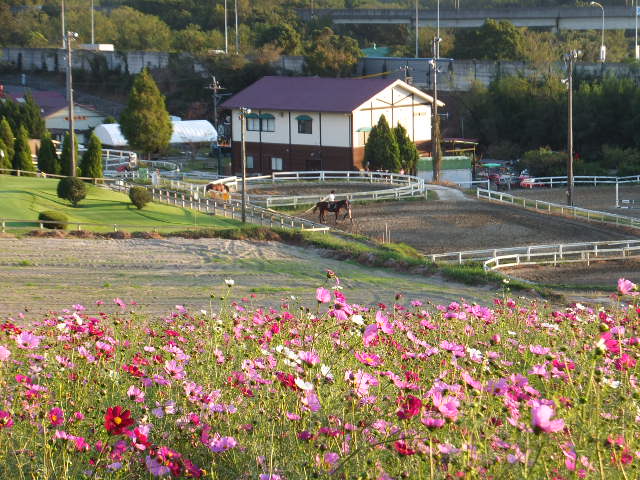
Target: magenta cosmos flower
5, 420
541, 419
56, 416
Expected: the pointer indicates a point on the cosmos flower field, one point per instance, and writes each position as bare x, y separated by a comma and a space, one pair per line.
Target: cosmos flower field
330, 390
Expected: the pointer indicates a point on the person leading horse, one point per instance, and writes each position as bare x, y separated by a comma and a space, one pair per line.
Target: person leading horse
334, 207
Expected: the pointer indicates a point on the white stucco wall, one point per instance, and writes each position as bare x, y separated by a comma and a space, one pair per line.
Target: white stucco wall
83, 117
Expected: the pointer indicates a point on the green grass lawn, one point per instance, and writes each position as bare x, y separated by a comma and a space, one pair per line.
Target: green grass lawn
23, 198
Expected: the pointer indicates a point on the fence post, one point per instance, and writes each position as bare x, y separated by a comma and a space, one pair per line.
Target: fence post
3, 227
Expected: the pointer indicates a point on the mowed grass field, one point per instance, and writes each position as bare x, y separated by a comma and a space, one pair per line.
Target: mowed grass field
23, 198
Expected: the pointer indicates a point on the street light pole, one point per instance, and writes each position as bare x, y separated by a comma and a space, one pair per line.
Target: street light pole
637, 47
243, 158
69, 37
603, 49
570, 57
436, 154
237, 36
226, 30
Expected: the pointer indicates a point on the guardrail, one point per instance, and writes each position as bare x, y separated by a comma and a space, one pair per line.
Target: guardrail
567, 254
558, 209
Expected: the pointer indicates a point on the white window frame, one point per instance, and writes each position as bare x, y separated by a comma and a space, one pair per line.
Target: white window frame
253, 124
249, 161
277, 163
268, 124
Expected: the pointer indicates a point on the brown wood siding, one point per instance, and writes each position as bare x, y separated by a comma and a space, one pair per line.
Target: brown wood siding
297, 157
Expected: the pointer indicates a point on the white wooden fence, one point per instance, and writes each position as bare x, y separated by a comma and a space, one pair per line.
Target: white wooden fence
558, 209
569, 253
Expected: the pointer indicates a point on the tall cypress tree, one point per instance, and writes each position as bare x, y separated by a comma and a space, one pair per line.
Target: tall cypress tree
32, 117
65, 156
91, 164
408, 152
381, 150
145, 122
22, 152
6, 135
48, 161
5, 159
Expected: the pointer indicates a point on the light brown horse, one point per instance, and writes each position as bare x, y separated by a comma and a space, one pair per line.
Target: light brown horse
218, 190
324, 207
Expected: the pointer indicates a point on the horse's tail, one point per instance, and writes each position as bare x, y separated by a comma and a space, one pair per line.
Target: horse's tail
315, 208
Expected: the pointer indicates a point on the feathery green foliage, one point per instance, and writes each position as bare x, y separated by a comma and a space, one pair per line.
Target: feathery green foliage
408, 152
65, 156
6, 135
145, 122
72, 189
48, 161
381, 150
91, 163
22, 152
5, 159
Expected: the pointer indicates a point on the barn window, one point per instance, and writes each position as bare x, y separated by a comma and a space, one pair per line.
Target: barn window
268, 122
276, 163
305, 124
253, 122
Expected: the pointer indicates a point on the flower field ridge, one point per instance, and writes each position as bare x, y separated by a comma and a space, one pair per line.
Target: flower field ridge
330, 390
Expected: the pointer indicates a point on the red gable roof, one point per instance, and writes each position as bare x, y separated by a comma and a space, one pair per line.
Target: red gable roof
308, 94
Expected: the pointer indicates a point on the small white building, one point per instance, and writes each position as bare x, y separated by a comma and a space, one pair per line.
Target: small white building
313, 123
184, 132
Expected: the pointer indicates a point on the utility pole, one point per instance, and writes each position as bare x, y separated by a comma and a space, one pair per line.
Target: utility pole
64, 32
243, 158
436, 153
570, 57
93, 36
237, 35
416, 28
69, 37
215, 86
226, 30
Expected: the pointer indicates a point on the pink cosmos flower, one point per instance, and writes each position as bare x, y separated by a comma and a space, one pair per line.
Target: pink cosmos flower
323, 295
5, 420
541, 419
310, 358
539, 349
174, 369
135, 394
28, 341
432, 422
383, 323
120, 303
370, 359
626, 287
625, 362
4, 353
370, 334
447, 406
311, 401
156, 468
219, 444
56, 416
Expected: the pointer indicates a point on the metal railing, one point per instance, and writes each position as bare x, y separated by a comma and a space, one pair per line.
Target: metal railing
558, 209
570, 253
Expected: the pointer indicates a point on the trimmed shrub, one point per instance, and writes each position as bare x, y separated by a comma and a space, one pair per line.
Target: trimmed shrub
51, 216
139, 196
72, 189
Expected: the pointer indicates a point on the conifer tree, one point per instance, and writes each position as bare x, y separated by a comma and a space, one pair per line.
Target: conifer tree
5, 159
381, 150
91, 163
48, 161
22, 152
32, 117
145, 122
65, 156
408, 152
6, 135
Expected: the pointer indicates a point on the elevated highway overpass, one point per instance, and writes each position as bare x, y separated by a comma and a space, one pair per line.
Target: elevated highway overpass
553, 18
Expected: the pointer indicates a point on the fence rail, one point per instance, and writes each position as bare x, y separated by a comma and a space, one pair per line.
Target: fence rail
594, 180
11, 223
558, 209
586, 253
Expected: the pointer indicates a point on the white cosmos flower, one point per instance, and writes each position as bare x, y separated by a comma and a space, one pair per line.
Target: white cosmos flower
357, 319
229, 282
302, 385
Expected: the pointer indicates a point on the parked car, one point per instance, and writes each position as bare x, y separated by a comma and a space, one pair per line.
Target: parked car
529, 182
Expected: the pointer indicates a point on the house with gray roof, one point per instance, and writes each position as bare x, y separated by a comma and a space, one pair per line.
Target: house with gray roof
313, 123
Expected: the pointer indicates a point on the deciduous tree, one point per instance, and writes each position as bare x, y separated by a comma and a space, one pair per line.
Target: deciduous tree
329, 54
145, 122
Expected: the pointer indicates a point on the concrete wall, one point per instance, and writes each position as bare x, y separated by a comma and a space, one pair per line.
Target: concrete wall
456, 75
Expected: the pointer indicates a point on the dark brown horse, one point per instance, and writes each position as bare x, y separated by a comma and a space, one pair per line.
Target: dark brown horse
324, 207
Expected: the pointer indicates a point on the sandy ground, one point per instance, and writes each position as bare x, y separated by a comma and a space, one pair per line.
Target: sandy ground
38, 274
317, 189
449, 226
